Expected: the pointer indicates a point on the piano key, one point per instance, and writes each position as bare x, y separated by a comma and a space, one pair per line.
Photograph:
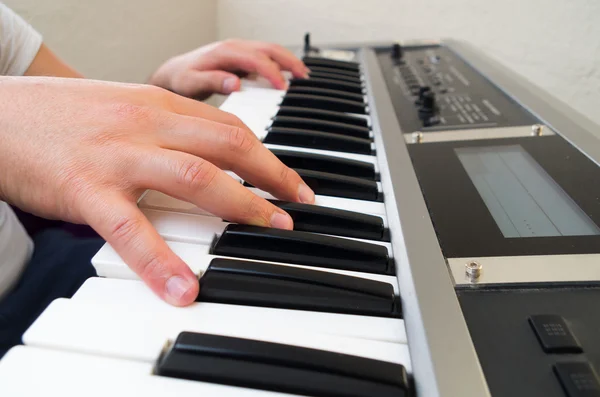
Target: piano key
159, 201
327, 153
109, 264
70, 374
340, 72
335, 76
201, 229
58, 326
325, 103
187, 228
279, 367
334, 165
262, 284
321, 125
361, 206
328, 184
318, 140
327, 93
290, 246
319, 114
329, 84
315, 219
330, 63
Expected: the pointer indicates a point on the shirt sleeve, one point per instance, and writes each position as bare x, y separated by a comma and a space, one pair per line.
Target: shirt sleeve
19, 43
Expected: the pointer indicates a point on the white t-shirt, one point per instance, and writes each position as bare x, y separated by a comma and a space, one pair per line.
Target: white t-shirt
19, 44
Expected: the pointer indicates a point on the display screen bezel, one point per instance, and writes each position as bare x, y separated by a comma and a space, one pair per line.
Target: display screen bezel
462, 221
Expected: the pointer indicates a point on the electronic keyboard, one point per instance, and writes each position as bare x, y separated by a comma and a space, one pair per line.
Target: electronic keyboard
453, 250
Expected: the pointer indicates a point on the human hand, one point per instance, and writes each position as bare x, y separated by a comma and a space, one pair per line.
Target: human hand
210, 69
84, 151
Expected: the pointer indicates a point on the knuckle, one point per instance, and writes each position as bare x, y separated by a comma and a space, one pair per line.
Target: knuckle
132, 112
284, 175
239, 140
126, 229
198, 174
255, 208
151, 266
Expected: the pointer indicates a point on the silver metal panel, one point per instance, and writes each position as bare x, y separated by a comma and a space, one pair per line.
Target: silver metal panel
572, 125
443, 356
528, 269
476, 134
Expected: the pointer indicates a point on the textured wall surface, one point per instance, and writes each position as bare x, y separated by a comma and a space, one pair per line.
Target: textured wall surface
553, 43
123, 40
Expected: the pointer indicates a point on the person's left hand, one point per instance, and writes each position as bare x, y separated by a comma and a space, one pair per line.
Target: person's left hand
211, 69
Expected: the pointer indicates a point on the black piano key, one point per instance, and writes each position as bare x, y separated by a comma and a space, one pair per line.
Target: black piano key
335, 76
268, 285
348, 96
328, 84
330, 63
316, 219
338, 117
281, 368
328, 184
319, 162
318, 140
325, 103
321, 125
338, 72
302, 248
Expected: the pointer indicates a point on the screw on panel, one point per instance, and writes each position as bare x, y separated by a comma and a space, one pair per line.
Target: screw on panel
417, 137
537, 130
473, 270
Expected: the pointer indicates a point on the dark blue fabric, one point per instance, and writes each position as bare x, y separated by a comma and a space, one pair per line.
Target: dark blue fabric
59, 265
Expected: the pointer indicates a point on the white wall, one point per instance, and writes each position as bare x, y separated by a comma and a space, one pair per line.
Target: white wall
554, 43
124, 40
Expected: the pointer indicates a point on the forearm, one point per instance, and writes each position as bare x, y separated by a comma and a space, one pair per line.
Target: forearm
46, 63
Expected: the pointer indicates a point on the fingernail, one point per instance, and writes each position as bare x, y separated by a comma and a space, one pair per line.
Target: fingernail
177, 286
229, 84
281, 221
306, 72
305, 194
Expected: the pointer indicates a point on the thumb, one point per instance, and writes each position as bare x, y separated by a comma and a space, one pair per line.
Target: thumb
205, 83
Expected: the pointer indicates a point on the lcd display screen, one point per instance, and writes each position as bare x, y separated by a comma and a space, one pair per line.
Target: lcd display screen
522, 198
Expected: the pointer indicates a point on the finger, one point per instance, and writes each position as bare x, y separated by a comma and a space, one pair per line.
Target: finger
236, 56
128, 231
284, 57
205, 83
198, 181
236, 149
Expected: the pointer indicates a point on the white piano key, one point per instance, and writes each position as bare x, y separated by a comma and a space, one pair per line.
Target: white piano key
159, 201
109, 264
28, 371
361, 206
133, 295
255, 107
138, 333
344, 155
187, 228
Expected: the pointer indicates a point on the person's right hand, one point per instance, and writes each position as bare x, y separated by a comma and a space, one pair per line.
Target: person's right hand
84, 151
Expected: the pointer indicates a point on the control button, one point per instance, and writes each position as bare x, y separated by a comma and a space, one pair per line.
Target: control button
578, 379
397, 51
554, 334
428, 101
